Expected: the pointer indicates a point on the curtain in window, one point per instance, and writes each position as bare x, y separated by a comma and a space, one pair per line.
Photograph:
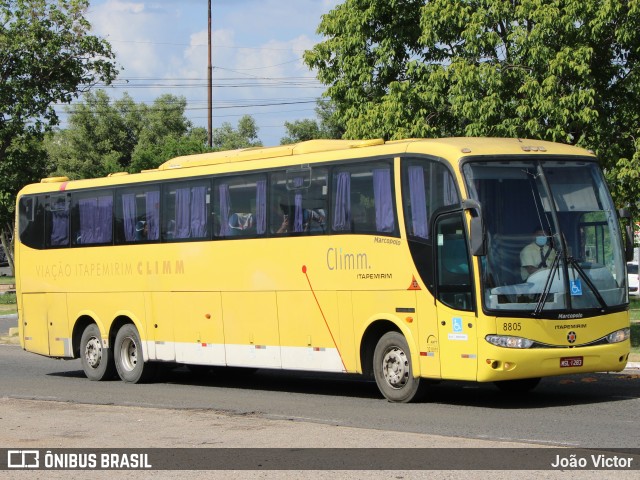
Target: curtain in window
383, 200
129, 216
182, 213
297, 216
153, 214
198, 212
342, 208
261, 207
60, 223
95, 220
417, 197
450, 193
225, 209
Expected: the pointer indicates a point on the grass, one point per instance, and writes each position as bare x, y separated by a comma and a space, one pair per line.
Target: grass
8, 300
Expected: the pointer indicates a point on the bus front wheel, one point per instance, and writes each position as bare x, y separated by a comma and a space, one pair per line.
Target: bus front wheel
97, 362
393, 371
127, 352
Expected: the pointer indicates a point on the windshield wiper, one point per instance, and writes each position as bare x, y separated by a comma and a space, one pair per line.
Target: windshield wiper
547, 286
574, 263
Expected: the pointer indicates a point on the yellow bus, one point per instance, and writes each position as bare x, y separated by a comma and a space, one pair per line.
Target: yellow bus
405, 261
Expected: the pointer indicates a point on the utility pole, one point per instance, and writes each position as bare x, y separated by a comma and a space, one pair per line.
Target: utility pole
210, 87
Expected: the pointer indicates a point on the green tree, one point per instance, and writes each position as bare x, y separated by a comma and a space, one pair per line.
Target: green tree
561, 70
106, 136
327, 126
47, 56
244, 136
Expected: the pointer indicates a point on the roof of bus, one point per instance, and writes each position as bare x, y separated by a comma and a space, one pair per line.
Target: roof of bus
452, 149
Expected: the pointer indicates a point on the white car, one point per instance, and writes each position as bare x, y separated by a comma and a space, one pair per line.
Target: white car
632, 278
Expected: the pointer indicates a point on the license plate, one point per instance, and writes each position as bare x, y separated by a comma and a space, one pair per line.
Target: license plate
571, 361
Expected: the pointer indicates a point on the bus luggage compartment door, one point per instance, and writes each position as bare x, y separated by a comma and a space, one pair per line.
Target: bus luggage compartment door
45, 324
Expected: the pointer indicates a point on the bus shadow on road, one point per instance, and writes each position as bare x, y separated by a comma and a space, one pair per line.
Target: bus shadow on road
551, 392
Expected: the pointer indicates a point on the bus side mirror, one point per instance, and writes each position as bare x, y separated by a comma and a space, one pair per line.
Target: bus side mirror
628, 241
478, 243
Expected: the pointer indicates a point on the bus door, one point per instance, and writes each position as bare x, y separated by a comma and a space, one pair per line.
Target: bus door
457, 320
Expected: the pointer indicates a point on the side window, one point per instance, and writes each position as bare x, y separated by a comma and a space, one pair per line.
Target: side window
138, 214
240, 206
453, 272
31, 215
91, 219
363, 200
186, 210
299, 201
426, 187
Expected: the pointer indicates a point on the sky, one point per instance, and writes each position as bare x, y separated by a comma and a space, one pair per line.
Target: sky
161, 46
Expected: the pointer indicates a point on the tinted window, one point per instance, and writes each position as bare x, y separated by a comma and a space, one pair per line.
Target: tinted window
299, 201
138, 214
363, 200
186, 210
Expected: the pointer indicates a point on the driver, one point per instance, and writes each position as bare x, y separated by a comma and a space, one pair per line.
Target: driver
536, 255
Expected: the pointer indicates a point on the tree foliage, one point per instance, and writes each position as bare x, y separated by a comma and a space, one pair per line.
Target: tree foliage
244, 136
106, 136
326, 126
560, 70
47, 57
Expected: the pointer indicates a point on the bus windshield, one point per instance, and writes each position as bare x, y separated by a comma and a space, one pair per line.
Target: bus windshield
553, 240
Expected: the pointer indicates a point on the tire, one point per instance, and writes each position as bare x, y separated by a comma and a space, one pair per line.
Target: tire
520, 386
127, 355
393, 371
97, 362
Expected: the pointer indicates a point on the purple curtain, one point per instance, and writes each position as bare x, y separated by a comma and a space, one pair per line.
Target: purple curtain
198, 212
342, 208
261, 207
129, 216
182, 213
105, 218
60, 223
153, 214
88, 208
95, 219
225, 208
450, 193
382, 195
417, 196
297, 217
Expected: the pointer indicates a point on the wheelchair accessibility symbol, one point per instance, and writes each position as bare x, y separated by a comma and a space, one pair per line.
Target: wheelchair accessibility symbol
576, 287
457, 325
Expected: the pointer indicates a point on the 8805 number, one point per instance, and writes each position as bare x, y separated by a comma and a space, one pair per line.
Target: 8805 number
512, 327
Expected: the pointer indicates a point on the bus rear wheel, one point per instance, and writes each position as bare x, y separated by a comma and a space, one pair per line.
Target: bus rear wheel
127, 352
393, 370
97, 362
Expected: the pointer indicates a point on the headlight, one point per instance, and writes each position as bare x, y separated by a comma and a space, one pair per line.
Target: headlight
619, 336
508, 342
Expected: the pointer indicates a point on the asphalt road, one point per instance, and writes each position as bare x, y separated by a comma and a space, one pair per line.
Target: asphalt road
595, 410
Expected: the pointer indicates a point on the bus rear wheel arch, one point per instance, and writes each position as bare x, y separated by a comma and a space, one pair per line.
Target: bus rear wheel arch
97, 361
393, 369
128, 357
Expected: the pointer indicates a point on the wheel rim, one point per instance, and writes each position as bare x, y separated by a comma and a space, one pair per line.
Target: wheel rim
395, 367
93, 352
128, 354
